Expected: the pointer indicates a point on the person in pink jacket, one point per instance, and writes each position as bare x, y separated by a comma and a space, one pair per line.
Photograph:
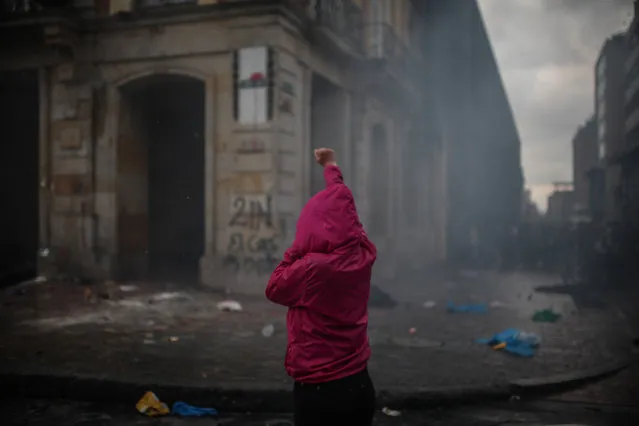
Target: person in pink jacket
324, 280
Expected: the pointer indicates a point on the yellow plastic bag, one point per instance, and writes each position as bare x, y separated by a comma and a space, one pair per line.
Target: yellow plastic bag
150, 405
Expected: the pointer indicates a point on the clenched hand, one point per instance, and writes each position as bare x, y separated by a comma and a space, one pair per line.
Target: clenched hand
325, 156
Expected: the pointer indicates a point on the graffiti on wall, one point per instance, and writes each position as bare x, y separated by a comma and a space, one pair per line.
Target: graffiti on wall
251, 254
252, 246
252, 146
252, 212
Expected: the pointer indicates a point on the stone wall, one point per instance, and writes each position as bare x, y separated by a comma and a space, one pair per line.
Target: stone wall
257, 177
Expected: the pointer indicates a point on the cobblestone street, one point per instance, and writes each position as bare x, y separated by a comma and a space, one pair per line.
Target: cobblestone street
164, 334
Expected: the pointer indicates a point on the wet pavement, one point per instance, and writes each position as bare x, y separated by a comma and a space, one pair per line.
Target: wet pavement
168, 334
51, 412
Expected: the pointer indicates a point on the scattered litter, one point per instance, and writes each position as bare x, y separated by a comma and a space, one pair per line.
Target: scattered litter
515, 398
150, 405
173, 339
129, 288
412, 330
131, 304
229, 306
514, 341
391, 413
166, 296
497, 304
43, 252
40, 279
149, 342
268, 330
183, 409
478, 309
546, 315
429, 304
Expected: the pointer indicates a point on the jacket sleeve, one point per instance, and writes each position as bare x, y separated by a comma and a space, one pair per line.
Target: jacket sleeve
333, 175
287, 284
368, 244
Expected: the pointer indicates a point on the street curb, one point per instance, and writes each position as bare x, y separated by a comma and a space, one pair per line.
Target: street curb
562, 382
273, 400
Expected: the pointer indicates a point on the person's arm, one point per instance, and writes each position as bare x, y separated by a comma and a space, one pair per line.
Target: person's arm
287, 284
332, 175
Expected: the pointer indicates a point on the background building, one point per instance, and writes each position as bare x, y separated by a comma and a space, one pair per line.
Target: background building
629, 157
163, 141
484, 178
585, 157
561, 203
609, 111
529, 210
155, 140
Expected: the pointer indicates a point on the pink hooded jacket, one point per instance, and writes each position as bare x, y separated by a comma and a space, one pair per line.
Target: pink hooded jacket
324, 280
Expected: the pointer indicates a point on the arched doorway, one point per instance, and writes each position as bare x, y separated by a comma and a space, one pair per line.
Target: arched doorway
19, 97
160, 165
379, 186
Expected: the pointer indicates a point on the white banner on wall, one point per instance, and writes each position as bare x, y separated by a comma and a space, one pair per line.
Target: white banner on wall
253, 85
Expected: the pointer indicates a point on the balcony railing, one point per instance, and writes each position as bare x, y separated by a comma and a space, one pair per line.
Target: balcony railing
342, 17
384, 45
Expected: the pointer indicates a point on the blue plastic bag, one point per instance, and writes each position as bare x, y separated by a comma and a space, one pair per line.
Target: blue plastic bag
514, 344
477, 309
183, 409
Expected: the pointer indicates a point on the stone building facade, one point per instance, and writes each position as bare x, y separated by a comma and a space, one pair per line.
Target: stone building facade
174, 139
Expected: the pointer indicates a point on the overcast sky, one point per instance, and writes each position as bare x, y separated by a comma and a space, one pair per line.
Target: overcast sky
546, 50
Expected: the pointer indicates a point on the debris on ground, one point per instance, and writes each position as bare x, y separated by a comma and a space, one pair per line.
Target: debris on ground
40, 279
497, 304
477, 309
182, 409
136, 304
229, 306
108, 290
391, 413
412, 330
129, 288
268, 330
174, 339
429, 304
166, 296
150, 405
546, 315
515, 342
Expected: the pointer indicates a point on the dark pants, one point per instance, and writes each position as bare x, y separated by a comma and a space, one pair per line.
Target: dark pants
345, 402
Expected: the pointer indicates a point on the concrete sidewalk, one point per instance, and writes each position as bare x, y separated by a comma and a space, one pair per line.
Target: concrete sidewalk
177, 342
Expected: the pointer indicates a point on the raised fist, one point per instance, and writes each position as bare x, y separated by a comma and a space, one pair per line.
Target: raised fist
324, 156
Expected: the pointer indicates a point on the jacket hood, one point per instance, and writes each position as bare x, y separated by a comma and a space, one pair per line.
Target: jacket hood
328, 222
